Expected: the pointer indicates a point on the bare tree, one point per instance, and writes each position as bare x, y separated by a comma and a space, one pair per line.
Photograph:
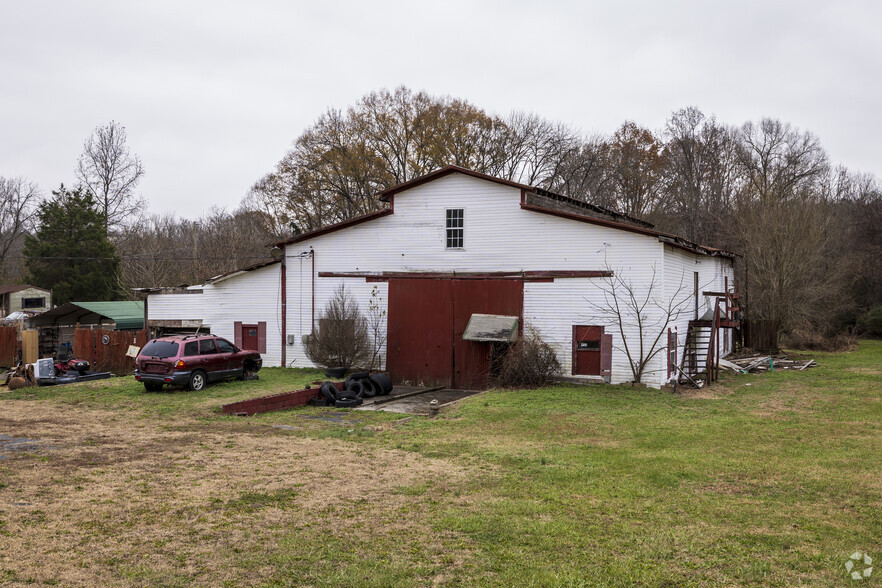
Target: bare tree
111, 173
377, 328
341, 338
19, 201
641, 314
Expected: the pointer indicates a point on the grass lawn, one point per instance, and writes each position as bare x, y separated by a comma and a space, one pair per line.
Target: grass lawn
764, 480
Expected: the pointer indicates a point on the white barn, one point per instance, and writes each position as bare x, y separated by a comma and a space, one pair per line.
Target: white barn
454, 243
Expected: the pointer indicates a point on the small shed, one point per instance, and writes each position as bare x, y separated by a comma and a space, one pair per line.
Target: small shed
24, 298
57, 327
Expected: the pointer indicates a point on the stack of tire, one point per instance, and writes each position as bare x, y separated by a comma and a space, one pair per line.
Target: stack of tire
356, 388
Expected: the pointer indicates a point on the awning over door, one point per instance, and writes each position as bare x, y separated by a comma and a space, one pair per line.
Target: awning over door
491, 328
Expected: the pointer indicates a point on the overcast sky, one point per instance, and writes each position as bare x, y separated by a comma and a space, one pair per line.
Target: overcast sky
213, 93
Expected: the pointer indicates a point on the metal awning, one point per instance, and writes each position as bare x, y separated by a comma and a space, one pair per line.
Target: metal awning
125, 314
491, 327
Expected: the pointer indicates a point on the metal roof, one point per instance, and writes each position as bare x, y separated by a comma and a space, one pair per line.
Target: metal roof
12, 288
126, 314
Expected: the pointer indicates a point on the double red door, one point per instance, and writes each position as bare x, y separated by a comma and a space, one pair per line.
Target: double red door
426, 320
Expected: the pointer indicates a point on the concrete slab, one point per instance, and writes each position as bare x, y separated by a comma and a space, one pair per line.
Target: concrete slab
419, 403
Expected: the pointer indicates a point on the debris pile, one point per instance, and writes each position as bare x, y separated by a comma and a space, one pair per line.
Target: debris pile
765, 363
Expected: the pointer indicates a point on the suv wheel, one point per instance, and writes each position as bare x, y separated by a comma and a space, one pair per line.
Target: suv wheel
197, 381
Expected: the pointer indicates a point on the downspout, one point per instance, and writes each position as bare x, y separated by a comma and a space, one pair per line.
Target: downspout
284, 278
312, 325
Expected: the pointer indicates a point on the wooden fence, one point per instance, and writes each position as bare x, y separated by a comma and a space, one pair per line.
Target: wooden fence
106, 350
8, 346
761, 335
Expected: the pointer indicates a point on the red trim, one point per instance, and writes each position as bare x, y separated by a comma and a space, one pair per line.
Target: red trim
530, 276
569, 274
444, 171
284, 295
665, 238
356, 220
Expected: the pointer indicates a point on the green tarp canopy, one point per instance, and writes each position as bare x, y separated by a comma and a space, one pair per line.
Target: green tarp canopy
126, 314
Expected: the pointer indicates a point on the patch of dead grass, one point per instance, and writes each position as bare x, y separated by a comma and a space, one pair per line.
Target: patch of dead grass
120, 501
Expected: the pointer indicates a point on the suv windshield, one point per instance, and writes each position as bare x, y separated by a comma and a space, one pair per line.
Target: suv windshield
160, 349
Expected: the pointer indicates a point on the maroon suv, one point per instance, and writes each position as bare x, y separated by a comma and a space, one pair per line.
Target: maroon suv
192, 361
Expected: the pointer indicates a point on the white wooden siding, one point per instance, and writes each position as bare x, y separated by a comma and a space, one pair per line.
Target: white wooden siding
499, 236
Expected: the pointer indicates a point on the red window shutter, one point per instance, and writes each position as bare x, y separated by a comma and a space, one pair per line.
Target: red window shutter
606, 349
261, 336
237, 334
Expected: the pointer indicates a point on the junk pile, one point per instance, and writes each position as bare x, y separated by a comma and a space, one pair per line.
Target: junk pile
21, 377
765, 363
356, 388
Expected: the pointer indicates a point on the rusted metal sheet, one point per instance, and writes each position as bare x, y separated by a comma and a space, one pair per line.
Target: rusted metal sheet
471, 358
420, 331
8, 346
491, 327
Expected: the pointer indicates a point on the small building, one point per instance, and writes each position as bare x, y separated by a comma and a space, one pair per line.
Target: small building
24, 298
454, 245
57, 327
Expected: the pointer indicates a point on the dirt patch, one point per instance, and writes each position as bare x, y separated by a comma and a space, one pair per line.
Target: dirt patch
121, 501
865, 371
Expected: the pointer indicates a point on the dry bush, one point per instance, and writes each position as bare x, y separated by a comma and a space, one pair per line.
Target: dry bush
528, 363
815, 341
342, 337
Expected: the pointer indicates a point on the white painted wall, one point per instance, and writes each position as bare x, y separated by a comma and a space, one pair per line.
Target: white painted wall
679, 268
499, 236
249, 297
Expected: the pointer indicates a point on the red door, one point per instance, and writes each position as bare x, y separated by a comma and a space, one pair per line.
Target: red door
472, 358
427, 318
250, 337
420, 332
587, 341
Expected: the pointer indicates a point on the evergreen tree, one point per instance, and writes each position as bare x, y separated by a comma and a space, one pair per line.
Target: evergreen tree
70, 252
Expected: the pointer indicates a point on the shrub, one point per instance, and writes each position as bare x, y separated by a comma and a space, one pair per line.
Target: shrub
815, 341
342, 337
871, 322
528, 363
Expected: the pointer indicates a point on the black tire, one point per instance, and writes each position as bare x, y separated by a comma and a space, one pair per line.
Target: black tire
152, 386
329, 392
346, 395
197, 382
336, 372
347, 402
384, 383
369, 388
355, 387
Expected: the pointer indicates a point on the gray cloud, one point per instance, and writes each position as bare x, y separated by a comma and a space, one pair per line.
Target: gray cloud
213, 93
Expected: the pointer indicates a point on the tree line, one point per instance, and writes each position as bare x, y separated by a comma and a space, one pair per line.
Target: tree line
807, 230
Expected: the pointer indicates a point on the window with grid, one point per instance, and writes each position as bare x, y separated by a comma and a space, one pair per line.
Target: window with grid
455, 228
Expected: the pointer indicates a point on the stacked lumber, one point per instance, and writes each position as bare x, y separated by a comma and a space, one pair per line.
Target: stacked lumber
763, 363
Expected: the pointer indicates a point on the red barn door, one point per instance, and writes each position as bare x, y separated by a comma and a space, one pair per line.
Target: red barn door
420, 332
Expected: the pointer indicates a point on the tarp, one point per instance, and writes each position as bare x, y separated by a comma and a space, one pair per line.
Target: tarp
126, 314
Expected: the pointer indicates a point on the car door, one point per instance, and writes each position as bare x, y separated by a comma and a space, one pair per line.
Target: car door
232, 361
212, 362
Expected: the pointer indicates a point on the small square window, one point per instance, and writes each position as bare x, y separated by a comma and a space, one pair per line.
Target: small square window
455, 228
